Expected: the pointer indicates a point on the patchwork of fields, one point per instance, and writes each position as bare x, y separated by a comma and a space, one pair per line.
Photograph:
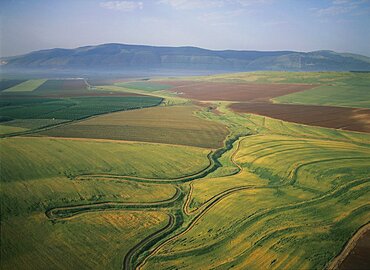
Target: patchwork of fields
38, 104
164, 183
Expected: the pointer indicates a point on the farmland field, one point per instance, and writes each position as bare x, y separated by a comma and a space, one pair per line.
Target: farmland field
58, 86
345, 96
8, 83
237, 91
146, 86
57, 110
325, 116
26, 86
174, 125
212, 174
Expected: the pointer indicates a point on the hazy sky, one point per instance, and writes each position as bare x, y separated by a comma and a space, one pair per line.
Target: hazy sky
301, 25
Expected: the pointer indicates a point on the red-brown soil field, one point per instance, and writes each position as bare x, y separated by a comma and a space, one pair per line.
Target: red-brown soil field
234, 91
323, 116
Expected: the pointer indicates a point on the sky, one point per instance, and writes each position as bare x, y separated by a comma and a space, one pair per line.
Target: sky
268, 25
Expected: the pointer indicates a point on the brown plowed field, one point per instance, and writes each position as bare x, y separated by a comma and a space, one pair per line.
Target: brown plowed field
170, 125
358, 258
323, 116
234, 91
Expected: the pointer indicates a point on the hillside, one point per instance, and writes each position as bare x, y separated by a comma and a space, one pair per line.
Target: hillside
122, 57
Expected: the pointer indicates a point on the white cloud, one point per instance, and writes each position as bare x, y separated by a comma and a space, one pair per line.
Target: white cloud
122, 5
339, 7
200, 4
247, 3
340, 2
192, 4
335, 10
220, 18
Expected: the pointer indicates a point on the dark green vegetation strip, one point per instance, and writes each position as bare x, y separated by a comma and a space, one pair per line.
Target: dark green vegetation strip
72, 108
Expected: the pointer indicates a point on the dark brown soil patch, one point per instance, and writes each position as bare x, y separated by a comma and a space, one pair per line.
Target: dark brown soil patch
234, 91
359, 257
323, 116
92, 93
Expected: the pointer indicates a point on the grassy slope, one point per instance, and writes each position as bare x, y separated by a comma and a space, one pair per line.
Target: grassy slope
287, 77
35, 170
26, 86
244, 231
302, 223
336, 95
172, 124
92, 241
34, 158
33, 123
33, 180
6, 129
338, 89
250, 234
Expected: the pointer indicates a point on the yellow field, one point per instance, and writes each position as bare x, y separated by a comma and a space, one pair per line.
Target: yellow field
89, 241
4, 129
290, 187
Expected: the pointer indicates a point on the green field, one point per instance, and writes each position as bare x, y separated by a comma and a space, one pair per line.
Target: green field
72, 108
275, 201
144, 85
36, 243
8, 83
26, 86
27, 158
331, 95
36, 113
6, 129
28, 124
38, 174
179, 186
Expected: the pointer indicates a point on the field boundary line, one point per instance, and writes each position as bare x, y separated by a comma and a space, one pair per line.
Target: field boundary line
108, 140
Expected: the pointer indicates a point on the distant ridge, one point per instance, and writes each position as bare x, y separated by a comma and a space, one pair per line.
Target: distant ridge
123, 57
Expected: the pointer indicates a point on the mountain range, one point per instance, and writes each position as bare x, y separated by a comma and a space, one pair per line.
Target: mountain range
123, 57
